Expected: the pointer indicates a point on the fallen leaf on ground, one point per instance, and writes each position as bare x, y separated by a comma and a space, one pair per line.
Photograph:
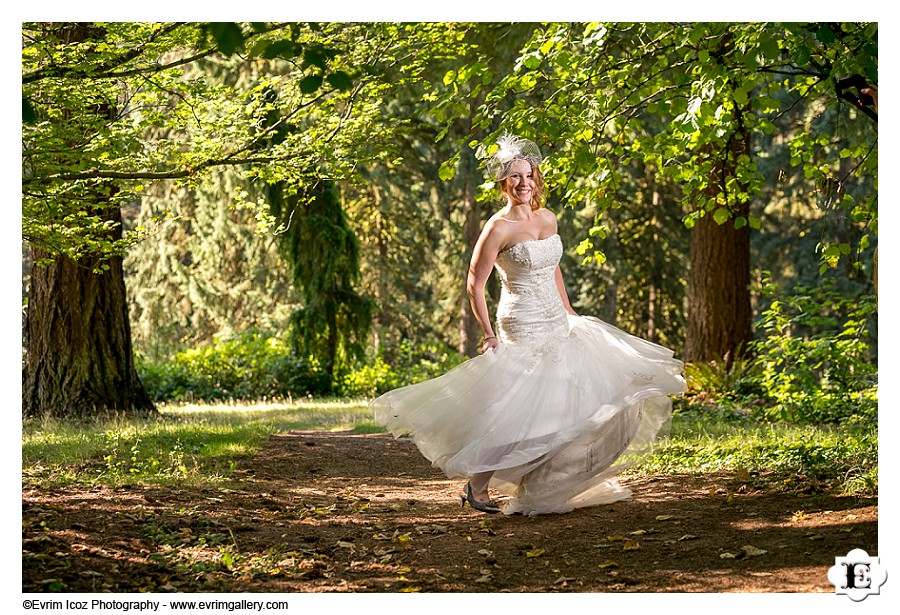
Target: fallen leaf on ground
608, 564
753, 551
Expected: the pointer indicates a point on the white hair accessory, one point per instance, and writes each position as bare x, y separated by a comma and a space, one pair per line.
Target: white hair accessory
510, 148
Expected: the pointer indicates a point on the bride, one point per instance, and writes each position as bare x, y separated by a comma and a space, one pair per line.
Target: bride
557, 404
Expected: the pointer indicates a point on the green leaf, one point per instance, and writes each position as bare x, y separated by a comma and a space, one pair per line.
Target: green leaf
825, 34
721, 215
741, 94
832, 252
691, 219
448, 168
532, 62
340, 80
228, 35
259, 48
310, 84
28, 114
770, 49
280, 49
315, 57
527, 82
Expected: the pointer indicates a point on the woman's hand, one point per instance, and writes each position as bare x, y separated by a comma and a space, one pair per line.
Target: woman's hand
489, 343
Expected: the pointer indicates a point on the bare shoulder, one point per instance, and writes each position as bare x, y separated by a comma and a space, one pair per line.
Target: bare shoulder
494, 235
498, 227
548, 219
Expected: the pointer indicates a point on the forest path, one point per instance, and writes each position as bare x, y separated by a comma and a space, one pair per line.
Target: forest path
344, 512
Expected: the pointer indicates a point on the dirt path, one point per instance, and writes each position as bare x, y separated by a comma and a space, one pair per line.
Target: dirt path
340, 512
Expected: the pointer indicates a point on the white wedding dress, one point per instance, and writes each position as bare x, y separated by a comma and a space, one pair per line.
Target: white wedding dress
557, 410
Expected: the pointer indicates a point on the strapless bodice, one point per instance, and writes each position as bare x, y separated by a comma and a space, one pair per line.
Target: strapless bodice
530, 308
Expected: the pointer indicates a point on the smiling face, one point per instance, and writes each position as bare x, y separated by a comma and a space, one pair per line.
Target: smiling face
520, 184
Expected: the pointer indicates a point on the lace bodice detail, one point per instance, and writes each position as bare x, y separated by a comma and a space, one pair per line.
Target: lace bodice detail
530, 308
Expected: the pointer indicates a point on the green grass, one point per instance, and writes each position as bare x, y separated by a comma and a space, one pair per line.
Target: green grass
201, 444
189, 444
840, 459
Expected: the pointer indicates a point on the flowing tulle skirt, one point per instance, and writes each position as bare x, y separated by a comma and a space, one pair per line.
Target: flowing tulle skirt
556, 421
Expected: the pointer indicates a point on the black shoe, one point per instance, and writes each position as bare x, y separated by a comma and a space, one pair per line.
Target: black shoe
490, 507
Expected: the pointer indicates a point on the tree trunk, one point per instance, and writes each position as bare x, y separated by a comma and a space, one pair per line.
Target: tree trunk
720, 317
468, 325
331, 308
379, 285
655, 282
78, 353
875, 273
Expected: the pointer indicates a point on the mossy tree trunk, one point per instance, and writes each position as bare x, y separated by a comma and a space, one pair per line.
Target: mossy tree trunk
78, 353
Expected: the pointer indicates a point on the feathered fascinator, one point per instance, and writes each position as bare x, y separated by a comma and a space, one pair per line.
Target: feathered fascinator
510, 148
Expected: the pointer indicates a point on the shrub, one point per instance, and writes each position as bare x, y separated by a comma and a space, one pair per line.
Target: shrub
409, 364
251, 365
815, 361
370, 380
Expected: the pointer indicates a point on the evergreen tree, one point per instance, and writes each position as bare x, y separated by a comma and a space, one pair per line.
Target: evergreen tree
207, 272
333, 324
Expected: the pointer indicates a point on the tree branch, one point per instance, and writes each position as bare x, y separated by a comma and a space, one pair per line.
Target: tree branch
64, 71
105, 71
172, 174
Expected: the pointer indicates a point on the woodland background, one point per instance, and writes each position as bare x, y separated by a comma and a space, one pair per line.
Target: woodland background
234, 234
224, 210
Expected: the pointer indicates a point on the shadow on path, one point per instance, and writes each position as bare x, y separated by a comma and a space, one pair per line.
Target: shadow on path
342, 512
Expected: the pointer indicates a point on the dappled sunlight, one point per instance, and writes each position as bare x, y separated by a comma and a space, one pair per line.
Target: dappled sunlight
351, 512
228, 449
842, 519
272, 504
306, 404
190, 442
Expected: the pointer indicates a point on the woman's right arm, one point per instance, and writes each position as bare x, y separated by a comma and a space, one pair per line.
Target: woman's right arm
480, 267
